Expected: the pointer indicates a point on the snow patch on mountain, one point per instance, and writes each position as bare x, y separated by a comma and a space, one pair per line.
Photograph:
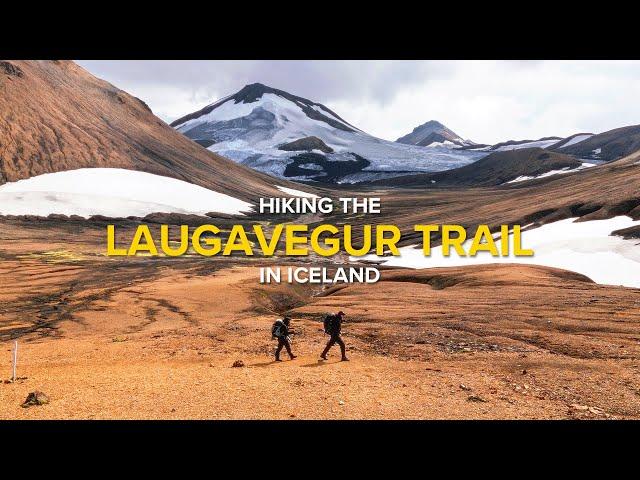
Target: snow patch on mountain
112, 192
523, 178
296, 193
573, 140
515, 145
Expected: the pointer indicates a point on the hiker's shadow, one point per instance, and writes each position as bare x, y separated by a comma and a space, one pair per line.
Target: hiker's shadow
263, 364
319, 363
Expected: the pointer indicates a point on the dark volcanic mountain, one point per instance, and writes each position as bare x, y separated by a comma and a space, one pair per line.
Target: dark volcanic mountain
293, 137
431, 132
55, 116
496, 169
606, 146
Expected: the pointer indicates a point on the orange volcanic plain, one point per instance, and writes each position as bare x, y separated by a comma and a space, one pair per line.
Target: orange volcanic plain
157, 338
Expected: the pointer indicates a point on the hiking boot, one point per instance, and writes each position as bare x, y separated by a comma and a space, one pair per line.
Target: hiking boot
344, 359
322, 357
278, 360
293, 356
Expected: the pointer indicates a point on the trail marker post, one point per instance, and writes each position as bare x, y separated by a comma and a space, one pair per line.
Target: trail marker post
15, 360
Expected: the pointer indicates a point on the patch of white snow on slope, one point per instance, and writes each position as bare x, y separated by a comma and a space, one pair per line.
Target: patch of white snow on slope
535, 143
522, 178
296, 193
112, 192
583, 247
576, 139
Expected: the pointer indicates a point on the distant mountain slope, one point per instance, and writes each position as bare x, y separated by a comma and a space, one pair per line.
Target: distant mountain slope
271, 130
495, 169
606, 146
571, 140
431, 132
55, 116
543, 142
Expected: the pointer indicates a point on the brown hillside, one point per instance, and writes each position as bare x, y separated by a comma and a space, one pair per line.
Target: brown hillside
56, 116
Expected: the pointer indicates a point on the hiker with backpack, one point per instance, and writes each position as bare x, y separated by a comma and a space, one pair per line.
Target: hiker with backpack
281, 330
333, 327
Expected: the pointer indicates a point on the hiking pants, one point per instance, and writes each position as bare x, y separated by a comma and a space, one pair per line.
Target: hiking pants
283, 342
333, 340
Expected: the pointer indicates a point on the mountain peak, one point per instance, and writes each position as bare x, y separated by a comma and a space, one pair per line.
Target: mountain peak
431, 132
253, 92
430, 124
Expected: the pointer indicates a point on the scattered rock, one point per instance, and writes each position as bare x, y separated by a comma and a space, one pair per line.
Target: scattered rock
11, 69
465, 387
476, 398
306, 143
524, 372
596, 410
35, 398
238, 364
586, 409
341, 402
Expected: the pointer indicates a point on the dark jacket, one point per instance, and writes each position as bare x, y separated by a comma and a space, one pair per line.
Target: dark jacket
336, 325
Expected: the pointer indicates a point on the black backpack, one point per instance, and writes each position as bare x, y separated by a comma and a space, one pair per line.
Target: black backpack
277, 329
329, 323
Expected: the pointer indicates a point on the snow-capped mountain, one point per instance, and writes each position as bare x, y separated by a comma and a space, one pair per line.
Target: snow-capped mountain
292, 137
433, 133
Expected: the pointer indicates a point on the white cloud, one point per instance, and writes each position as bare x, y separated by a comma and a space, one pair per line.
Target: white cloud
486, 101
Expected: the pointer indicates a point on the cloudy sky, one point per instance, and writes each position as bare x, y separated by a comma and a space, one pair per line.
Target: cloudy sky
485, 101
